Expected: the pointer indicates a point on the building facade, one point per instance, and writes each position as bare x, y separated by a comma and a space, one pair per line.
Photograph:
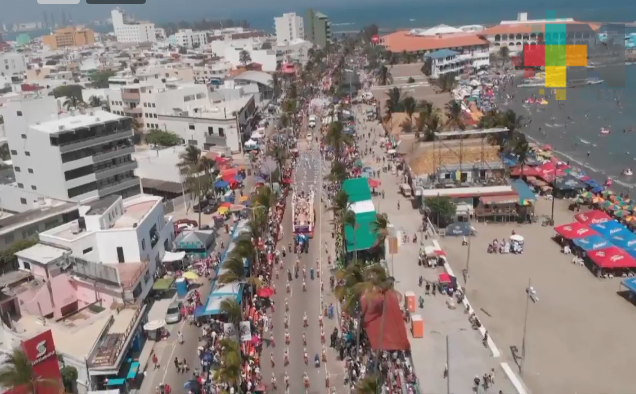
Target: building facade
189, 39
289, 27
69, 37
128, 31
87, 154
318, 28
12, 63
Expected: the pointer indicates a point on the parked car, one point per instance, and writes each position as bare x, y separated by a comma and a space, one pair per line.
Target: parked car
200, 206
174, 313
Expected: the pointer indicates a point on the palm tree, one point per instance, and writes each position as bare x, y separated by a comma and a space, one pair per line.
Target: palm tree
446, 82
504, 54
95, 101
232, 310
73, 103
384, 76
349, 219
454, 115
229, 372
234, 271
523, 151
280, 155
380, 227
17, 373
394, 100
410, 106
191, 167
433, 126
369, 385
338, 173
338, 139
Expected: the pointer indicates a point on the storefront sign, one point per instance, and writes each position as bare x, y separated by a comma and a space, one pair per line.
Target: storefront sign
40, 351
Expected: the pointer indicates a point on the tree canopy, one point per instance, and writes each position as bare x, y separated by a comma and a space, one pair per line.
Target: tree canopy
68, 91
100, 78
442, 210
162, 138
8, 255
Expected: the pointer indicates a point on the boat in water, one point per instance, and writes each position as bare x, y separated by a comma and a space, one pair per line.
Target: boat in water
627, 172
605, 131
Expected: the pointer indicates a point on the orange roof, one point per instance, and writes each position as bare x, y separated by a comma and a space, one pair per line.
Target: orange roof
403, 41
527, 28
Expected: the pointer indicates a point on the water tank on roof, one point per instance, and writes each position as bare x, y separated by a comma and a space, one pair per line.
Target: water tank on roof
75, 228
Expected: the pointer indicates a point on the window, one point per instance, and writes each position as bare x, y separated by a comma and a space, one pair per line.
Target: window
21, 185
153, 105
33, 187
143, 244
87, 250
14, 152
27, 266
120, 254
27, 153
191, 126
148, 125
23, 201
221, 132
210, 130
23, 136
19, 112
30, 170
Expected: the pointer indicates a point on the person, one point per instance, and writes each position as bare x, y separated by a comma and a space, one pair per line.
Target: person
286, 379
287, 338
155, 361
304, 339
305, 319
289, 275
286, 305
185, 365
306, 357
306, 379
176, 364
180, 337
271, 358
288, 288
273, 381
304, 286
286, 356
304, 273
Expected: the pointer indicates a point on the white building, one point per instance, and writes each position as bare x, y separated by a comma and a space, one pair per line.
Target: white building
12, 63
294, 51
81, 156
289, 27
128, 31
230, 49
190, 39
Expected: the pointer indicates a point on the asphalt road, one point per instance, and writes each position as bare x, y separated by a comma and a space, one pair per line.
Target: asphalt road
307, 174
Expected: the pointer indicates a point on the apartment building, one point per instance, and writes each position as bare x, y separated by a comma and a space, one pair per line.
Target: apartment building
289, 27
69, 37
12, 63
230, 49
318, 28
189, 39
129, 31
73, 156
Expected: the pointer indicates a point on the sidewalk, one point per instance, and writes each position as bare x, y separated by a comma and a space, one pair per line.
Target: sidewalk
467, 357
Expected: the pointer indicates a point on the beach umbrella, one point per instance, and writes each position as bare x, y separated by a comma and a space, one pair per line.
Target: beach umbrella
244, 198
222, 210
607, 192
629, 219
191, 275
586, 195
597, 200
607, 204
373, 183
258, 179
265, 292
220, 184
199, 311
620, 213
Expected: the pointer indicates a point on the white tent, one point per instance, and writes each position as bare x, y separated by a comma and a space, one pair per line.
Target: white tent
362, 206
170, 257
257, 136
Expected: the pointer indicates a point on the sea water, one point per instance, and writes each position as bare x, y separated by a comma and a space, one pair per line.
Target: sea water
573, 128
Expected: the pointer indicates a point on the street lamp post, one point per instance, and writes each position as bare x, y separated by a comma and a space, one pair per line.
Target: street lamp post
531, 294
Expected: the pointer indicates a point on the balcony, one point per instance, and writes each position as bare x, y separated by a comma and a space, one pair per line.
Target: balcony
130, 95
119, 186
79, 181
107, 155
115, 169
92, 141
136, 110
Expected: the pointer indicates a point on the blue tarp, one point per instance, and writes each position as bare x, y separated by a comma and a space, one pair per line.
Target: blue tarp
524, 191
592, 242
568, 182
220, 184
592, 183
199, 311
458, 229
608, 229
630, 283
623, 239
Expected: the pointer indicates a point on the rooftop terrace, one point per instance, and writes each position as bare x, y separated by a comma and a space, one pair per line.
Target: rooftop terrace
76, 122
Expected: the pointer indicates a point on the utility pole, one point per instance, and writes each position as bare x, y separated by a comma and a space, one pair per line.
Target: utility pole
531, 294
470, 234
447, 367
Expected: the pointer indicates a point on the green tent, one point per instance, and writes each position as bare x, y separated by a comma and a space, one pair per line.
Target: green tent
357, 189
365, 237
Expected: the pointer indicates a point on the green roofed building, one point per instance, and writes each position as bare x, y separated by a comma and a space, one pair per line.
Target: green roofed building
357, 189
364, 237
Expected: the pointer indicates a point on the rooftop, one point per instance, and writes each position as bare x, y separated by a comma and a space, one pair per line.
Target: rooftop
100, 206
442, 53
76, 122
405, 41
135, 211
528, 27
42, 254
17, 220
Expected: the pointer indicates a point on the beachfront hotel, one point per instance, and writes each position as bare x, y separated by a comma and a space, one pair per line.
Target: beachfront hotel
523, 31
466, 44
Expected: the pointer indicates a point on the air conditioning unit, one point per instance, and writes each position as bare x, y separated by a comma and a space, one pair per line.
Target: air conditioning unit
61, 127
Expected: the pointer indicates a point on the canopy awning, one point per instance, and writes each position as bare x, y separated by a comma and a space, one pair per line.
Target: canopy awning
362, 206
608, 229
162, 284
630, 283
612, 257
393, 330
592, 242
170, 257
500, 200
574, 230
592, 217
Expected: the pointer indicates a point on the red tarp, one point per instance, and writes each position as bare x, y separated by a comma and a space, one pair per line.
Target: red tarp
373, 183
547, 172
575, 230
612, 257
592, 217
394, 337
527, 171
444, 278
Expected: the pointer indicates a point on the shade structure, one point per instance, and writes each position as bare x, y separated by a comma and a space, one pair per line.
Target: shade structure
593, 242
191, 275
623, 239
362, 207
373, 183
357, 189
630, 283
363, 237
574, 230
608, 229
394, 331
592, 217
265, 292
220, 184
154, 325
459, 229
612, 257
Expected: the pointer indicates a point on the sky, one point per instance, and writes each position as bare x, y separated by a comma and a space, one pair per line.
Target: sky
12, 11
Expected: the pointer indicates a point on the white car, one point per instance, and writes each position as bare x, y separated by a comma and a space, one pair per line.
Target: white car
312, 124
309, 136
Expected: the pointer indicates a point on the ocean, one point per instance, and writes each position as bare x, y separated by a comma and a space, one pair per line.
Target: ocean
573, 129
